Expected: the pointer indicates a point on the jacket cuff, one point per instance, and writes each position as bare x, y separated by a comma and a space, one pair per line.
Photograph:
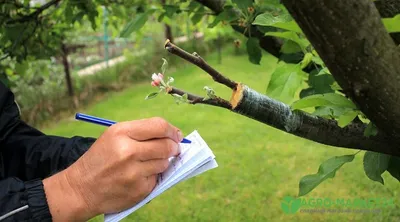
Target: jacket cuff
37, 201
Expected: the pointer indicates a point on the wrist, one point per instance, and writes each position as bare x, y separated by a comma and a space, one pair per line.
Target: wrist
65, 202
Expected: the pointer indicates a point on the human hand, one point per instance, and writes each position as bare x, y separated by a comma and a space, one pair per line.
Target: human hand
119, 170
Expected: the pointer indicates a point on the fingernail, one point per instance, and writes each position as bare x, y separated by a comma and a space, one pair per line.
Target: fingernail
179, 149
180, 136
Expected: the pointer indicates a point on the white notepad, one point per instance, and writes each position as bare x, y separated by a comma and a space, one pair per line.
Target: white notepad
195, 158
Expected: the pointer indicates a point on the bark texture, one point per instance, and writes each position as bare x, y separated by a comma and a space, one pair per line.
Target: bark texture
246, 101
352, 41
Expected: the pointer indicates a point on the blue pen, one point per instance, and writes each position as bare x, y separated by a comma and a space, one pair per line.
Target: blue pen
105, 122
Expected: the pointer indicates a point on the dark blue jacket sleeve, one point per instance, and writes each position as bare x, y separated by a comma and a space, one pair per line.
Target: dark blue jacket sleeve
27, 156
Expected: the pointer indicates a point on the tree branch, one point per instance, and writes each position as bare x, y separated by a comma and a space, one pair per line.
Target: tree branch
247, 102
194, 99
197, 60
360, 55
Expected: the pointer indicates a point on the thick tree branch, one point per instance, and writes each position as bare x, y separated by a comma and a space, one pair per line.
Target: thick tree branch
360, 55
247, 102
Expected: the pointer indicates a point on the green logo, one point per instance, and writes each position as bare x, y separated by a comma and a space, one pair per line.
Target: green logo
290, 205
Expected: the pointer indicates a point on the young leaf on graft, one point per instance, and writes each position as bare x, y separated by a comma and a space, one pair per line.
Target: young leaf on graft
328, 99
254, 51
326, 170
151, 95
375, 164
164, 66
285, 81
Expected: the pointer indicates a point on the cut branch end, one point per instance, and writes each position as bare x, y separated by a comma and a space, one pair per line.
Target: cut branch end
237, 95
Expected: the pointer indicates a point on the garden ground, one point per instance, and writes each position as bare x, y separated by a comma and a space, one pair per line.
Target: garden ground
258, 165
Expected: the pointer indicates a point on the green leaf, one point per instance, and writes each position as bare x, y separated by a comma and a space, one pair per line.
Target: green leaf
170, 10
303, 43
347, 117
254, 51
283, 21
290, 47
321, 83
229, 14
328, 99
306, 60
392, 24
20, 68
285, 81
193, 5
394, 167
135, 24
197, 16
151, 95
243, 4
335, 86
375, 164
371, 130
164, 66
329, 111
323, 71
326, 170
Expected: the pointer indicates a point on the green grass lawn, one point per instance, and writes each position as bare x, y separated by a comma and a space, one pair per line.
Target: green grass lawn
258, 165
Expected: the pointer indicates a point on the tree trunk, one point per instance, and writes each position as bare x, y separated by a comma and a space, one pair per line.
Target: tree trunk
350, 38
66, 70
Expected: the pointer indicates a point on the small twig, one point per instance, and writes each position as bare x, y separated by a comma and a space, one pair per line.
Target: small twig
194, 99
201, 63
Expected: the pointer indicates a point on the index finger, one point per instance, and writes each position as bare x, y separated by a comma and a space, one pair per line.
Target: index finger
152, 128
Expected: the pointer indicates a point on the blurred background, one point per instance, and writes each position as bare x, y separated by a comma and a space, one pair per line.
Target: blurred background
97, 57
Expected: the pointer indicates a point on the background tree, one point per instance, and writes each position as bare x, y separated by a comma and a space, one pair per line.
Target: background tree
336, 84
